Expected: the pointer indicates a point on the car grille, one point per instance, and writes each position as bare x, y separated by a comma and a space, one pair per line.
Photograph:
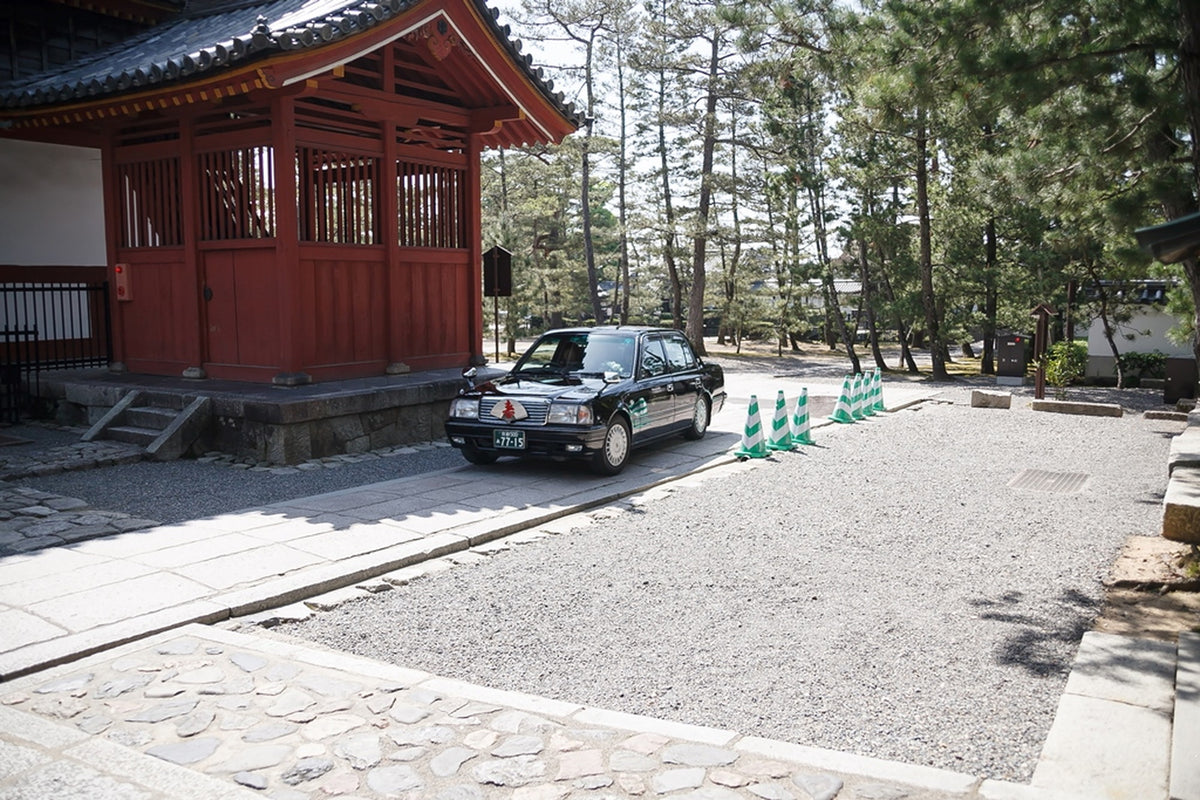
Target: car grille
537, 409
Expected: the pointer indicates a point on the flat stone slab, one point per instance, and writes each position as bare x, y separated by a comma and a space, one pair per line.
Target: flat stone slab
1137, 672
983, 398
1111, 737
1173, 416
1185, 736
1078, 407
1185, 450
1181, 506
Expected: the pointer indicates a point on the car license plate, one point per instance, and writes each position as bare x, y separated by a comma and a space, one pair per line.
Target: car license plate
508, 439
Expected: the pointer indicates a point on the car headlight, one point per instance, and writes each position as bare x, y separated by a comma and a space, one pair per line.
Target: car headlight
465, 407
569, 414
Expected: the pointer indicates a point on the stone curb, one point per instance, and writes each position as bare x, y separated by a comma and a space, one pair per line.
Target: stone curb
1081, 408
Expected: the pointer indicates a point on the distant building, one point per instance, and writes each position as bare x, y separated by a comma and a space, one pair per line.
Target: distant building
1145, 331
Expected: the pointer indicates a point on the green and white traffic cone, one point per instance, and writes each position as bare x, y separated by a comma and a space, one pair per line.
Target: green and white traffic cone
879, 406
753, 444
856, 398
868, 395
800, 431
842, 412
781, 435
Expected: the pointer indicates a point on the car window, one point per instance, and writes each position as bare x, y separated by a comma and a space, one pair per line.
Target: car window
541, 354
679, 353
607, 353
654, 361
581, 353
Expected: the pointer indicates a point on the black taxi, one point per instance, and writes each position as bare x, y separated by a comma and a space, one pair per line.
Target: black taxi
591, 394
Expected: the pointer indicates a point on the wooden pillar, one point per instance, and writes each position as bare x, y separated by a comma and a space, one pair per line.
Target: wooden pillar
395, 310
474, 207
112, 222
292, 332
189, 189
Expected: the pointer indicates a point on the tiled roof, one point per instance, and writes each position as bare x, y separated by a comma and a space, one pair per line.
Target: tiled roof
211, 35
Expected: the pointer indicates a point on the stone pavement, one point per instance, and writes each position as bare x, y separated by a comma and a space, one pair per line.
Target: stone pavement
206, 712
31, 520
112, 690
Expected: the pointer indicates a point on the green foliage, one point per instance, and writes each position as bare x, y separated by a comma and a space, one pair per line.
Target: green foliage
1142, 365
1065, 364
1051, 130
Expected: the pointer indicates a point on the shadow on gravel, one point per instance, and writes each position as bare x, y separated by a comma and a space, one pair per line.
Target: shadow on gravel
1043, 642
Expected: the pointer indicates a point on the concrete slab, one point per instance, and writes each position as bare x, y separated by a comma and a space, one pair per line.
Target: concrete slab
1185, 736
1106, 750
1074, 407
200, 550
365, 537
892, 771
102, 605
235, 569
1185, 450
1139, 672
982, 398
1111, 736
20, 628
35, 590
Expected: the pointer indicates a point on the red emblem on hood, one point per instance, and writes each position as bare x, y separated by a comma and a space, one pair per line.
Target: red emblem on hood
509, 411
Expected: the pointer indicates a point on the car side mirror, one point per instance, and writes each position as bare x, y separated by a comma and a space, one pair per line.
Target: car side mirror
612, 377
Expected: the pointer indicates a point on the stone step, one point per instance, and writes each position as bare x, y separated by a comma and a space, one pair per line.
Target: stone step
133, 434
1185, 449
1185, 734
153, 417
1111, 736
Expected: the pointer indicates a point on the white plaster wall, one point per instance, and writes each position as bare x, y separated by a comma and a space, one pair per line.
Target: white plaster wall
51, 205
1149, 329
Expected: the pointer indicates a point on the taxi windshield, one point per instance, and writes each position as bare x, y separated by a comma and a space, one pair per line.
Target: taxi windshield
591, 354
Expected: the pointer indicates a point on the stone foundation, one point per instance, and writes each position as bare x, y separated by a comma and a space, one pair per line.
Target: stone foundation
281, 425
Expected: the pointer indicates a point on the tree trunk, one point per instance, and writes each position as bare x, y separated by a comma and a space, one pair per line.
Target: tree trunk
695, 315
868, 304
668, 207
937, 349
622, 180
991, 299
589, 250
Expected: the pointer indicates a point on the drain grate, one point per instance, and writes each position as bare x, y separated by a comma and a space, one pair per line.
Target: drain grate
1039, 480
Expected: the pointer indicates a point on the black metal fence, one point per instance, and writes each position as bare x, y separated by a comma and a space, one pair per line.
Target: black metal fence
48, 326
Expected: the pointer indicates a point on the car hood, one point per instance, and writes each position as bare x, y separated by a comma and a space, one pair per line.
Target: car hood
569, 389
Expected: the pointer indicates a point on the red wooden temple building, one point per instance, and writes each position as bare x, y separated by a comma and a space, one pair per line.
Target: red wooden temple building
290, 188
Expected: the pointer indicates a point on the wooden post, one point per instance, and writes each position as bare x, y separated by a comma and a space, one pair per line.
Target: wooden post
292, 334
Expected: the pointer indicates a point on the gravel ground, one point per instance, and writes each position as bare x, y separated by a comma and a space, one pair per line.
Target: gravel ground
884, 593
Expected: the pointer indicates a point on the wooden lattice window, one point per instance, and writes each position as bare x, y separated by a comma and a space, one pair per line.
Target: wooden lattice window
237, 194
337, 196
432, 205
149, 203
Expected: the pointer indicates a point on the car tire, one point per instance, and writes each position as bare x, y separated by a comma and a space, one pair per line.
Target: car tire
612, 456
476, 456
700, 419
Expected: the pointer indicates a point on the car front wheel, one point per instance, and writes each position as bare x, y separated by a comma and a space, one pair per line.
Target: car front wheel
610, 459
476, 456
699, 424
